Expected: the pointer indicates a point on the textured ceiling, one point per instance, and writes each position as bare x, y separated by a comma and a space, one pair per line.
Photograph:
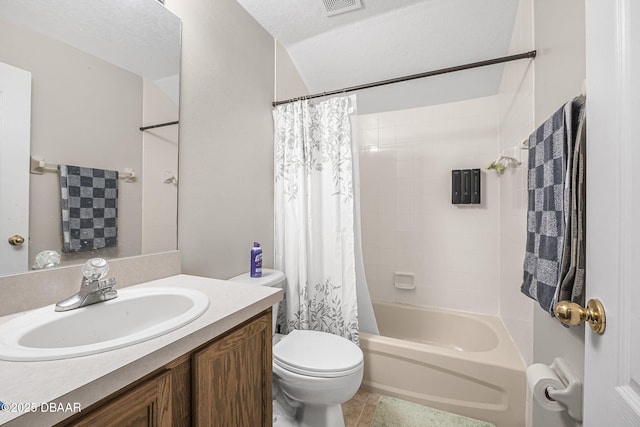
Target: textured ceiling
387, 39
290, 21
140, 36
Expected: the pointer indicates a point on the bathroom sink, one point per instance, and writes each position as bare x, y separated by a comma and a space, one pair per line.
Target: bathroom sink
135, 315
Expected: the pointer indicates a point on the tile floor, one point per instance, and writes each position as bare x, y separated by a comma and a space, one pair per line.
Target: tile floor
358, 412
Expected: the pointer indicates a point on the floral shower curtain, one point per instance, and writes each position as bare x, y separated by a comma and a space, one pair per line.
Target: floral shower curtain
314, 216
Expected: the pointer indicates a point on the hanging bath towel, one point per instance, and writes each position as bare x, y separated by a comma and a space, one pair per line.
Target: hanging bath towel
572, 273
89, 201
550, 184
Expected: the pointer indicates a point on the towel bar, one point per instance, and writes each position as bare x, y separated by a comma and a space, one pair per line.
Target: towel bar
39, 167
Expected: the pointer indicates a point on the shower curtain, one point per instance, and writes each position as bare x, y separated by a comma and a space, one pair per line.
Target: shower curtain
314, 216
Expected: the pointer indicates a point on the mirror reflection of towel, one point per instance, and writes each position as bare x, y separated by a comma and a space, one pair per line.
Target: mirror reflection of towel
89, 202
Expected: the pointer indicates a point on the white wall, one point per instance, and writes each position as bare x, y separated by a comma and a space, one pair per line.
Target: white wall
516, 123
225, 199
288, 82
408, 221
558, 37
559, 73
226, 137
77, 119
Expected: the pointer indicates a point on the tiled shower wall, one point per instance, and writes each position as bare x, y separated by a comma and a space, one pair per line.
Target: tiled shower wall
408, 222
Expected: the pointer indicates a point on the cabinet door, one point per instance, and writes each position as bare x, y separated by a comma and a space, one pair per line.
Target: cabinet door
147, 405
232, 378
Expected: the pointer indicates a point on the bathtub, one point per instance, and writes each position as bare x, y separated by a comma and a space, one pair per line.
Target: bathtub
457, 362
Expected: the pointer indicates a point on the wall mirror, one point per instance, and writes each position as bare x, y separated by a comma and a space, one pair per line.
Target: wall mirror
100, 70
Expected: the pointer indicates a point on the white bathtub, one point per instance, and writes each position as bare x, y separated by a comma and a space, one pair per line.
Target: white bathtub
457, 362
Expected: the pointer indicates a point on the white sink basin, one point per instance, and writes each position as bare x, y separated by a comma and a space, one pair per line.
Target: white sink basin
135, 315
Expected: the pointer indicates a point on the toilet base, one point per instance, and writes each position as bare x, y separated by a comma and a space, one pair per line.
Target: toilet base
281, 417
322, 415
308, 416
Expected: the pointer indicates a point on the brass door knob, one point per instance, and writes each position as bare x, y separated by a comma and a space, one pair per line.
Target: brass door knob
571, 313
16, 240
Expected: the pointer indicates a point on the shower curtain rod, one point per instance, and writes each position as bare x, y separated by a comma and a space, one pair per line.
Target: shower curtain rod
531, 54
159, 126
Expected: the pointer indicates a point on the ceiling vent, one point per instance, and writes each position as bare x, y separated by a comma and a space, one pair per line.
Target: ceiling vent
335, 7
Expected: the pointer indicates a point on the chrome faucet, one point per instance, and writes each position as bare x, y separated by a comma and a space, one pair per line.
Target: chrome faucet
94, 287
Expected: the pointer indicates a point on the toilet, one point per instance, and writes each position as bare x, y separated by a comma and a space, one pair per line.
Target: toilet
313, 372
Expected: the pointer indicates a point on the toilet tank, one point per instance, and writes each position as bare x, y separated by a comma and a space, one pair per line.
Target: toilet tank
271, 278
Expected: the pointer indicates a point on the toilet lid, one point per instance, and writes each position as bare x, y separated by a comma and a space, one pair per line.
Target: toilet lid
317, 354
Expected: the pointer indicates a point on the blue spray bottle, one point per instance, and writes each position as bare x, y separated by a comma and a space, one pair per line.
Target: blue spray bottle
256, 260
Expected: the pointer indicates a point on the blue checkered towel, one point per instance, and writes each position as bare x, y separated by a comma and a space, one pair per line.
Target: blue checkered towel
551, 150
89, 201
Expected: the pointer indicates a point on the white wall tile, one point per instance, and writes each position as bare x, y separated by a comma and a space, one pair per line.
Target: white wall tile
454, 252
386, 136
387, 119
368, 139
404, 168
368, 121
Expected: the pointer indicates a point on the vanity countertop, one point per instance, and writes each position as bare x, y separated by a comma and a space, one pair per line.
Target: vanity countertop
87, 379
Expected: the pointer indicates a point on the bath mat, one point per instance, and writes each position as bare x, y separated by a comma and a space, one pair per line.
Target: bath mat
392, 412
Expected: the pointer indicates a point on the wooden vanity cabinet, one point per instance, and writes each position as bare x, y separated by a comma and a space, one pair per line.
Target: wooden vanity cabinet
148, 404
225, 382
232, 378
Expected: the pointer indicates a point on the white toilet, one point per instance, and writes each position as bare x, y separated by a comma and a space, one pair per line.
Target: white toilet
313, 372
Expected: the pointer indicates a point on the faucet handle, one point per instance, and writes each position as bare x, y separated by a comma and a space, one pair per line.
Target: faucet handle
106, 283
95, 269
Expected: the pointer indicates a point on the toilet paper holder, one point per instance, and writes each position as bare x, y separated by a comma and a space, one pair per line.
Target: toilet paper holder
571, 396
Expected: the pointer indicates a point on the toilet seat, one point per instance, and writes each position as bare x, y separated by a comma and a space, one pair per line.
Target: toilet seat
317, 354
